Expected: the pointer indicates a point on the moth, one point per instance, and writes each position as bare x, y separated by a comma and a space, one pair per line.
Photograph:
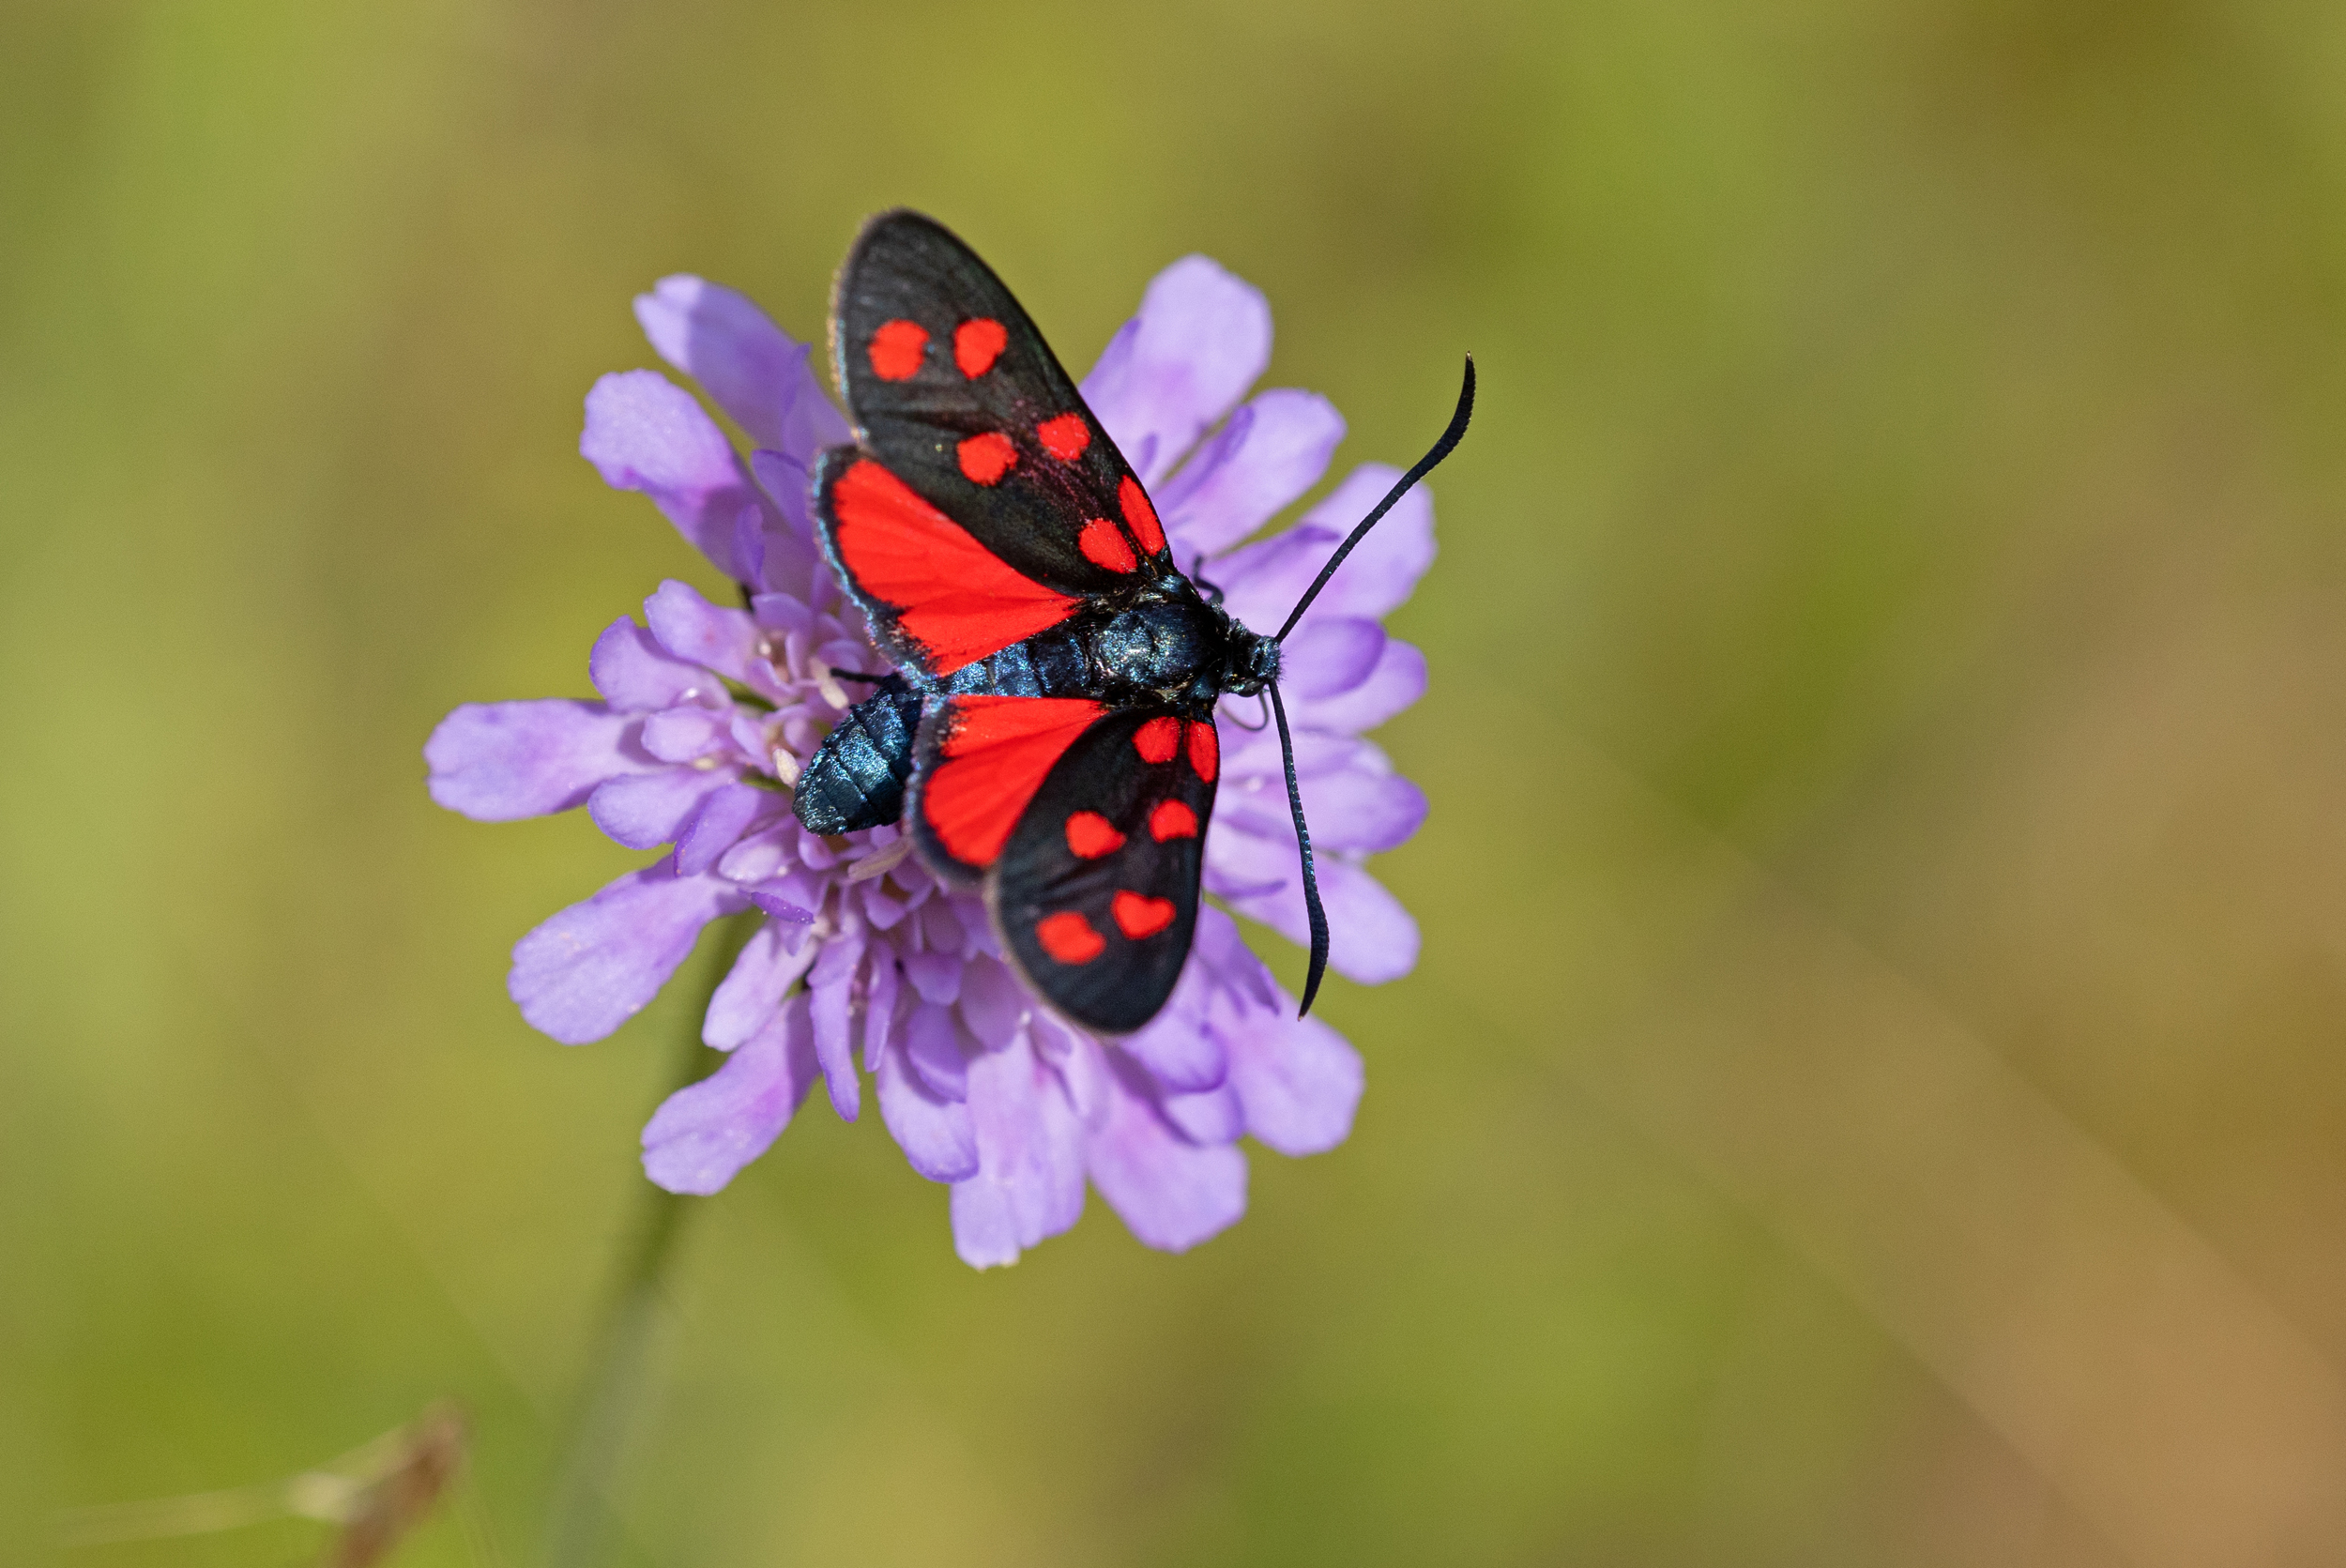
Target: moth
1048, 727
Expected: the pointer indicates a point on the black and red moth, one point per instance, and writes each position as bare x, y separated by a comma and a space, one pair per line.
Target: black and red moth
1050, 720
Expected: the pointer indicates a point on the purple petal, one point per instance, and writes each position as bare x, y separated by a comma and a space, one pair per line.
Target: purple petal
593, 966
993, 1003
1298, 1080
1031, 1162
881, 986
937, 976
496, 762
1216, 1116
1263, 580
1173, 1193
1371, 938
1176, 1052
792, 560
751, 994
690, 628
1398, 680
1242, 865
1352, 796
790, 483
792, 617
687, 734
1272, 451
646, 433
720, 823
763, 857
1379, 576
882, 906
752, 734
754, 371
646, 810
1251, 760
1326, 656
1082, 1066
1233, 976
932, 1045
945, 931
704, 1134
781, 901
985, 1226
1200, 339
749, 544
1364, 809
636, 676
935, 1133
832, 986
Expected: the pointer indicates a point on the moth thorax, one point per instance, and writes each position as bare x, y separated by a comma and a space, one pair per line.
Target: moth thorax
1155, 646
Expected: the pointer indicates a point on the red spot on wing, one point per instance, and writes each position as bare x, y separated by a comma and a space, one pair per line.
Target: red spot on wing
896, 349
1103, 544
994, 757
977, 345
957, 598
1137, 915
986, 458
1140, 515
1069, 937
1064, 437
1089, 835
1171, 820
1205, 750
1158, 740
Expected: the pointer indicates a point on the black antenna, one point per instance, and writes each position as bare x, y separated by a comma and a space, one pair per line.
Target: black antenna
1279, 709
1303, 837
1425, 467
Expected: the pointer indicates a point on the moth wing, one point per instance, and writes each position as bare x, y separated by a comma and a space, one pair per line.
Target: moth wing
953, 389
1095, 892
936, 597
978, 761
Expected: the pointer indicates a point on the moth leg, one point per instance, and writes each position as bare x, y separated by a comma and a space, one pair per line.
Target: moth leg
1198, 575
857, 777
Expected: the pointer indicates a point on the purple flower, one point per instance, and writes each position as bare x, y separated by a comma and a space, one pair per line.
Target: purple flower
863, 962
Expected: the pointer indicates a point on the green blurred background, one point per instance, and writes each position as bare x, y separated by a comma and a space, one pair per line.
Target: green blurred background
1873, 1092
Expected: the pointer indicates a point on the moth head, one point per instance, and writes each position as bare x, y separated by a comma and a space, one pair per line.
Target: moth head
1254, 662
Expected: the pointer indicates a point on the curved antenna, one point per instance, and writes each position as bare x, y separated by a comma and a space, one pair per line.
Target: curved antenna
1303, 837
1262, 715
1425, 467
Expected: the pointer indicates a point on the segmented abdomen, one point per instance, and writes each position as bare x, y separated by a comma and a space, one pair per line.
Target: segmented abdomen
857, 777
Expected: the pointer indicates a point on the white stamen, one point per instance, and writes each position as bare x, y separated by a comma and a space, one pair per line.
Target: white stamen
785, 766
880, 861
829, 685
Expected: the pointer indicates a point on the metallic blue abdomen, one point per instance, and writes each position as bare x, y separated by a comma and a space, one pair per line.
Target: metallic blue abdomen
857, 777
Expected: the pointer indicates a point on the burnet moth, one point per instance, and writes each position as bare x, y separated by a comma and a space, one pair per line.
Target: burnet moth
1049, 724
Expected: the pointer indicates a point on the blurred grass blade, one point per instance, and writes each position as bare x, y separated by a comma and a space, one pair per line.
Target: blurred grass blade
582, 1500
378, 1493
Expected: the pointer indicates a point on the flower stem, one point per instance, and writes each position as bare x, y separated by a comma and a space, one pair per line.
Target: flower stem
615, 1382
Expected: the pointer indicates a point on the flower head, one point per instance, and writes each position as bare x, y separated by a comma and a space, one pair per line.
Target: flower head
863, 962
